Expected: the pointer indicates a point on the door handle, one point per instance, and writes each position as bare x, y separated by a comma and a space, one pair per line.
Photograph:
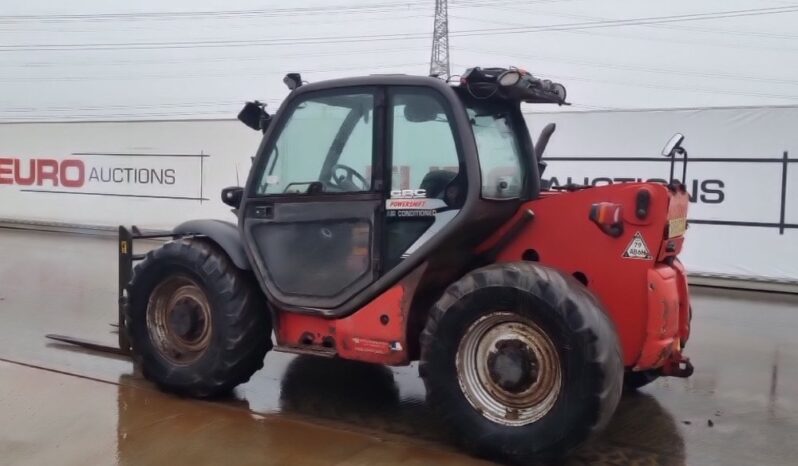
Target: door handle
264, 211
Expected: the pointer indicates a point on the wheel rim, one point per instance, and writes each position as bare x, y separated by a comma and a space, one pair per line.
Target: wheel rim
508, 369
179, 320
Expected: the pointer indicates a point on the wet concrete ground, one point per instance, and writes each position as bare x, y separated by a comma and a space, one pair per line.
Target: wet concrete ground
63, 406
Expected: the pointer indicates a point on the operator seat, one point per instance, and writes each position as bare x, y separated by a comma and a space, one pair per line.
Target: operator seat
446, 185
435, 182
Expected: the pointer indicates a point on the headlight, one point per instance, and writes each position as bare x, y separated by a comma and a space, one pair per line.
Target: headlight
509, 78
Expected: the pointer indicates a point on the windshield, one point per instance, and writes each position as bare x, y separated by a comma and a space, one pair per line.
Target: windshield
498, 146
338, 156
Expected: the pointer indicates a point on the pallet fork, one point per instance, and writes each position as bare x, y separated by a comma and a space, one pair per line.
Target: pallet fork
126, 260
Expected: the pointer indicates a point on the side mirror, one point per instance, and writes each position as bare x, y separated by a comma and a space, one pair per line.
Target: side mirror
254, 115
232, 196
292, 81
673, 145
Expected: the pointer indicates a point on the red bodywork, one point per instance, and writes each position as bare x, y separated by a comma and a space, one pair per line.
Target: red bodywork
646, 297
376, 333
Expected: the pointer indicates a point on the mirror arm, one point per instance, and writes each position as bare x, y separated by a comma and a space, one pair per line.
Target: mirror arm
683, 152
679, 150
265, 119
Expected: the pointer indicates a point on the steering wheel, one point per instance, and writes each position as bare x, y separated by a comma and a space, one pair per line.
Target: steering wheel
346, 180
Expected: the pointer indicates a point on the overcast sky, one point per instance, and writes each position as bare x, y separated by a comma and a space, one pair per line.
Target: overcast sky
97, 59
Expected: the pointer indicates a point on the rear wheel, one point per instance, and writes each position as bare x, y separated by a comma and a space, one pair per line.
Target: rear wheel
521, 361
506, 360
198, 325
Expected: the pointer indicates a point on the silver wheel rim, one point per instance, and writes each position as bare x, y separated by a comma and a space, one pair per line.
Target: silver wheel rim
179, 320
508, 369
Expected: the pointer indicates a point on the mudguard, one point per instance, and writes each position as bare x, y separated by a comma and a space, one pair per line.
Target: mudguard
225, 234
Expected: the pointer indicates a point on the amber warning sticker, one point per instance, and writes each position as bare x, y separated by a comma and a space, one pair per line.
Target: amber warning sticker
637, 249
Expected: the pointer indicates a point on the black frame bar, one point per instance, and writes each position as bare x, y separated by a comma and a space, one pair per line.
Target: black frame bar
784, 161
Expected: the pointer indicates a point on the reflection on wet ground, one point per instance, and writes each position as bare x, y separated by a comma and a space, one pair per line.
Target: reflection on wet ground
363, 394
642, 432
740, 407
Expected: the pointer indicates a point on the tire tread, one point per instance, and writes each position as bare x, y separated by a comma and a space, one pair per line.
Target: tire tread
584, 316
247, 327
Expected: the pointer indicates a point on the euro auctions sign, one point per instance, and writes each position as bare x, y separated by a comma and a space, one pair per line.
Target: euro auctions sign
12, 171
171, 176
153, 174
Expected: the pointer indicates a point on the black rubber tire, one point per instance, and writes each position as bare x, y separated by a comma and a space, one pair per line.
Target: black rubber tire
240, 322
586, 341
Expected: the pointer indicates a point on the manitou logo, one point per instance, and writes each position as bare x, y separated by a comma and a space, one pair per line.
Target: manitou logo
69, 173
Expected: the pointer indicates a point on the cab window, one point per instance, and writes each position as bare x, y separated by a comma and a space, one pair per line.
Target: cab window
427, 187
325, 146
423, 147
498, 146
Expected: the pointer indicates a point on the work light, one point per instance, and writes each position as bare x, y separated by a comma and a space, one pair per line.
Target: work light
509, 78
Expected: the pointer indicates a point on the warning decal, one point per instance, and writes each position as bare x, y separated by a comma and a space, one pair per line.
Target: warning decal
637, 249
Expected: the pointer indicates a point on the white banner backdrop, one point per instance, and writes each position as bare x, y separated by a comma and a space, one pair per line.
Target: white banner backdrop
151, 174
738, 178
156, 174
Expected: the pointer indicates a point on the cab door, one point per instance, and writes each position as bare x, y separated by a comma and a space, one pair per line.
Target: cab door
312, 216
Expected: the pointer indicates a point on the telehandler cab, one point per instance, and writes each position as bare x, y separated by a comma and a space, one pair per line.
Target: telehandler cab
392, 219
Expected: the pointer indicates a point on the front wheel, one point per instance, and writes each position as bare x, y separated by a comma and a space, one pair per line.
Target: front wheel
521, 361
197, 325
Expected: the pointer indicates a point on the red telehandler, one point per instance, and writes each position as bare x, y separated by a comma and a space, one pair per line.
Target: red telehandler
392, 219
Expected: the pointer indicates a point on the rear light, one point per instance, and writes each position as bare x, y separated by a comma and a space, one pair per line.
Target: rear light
609, 217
